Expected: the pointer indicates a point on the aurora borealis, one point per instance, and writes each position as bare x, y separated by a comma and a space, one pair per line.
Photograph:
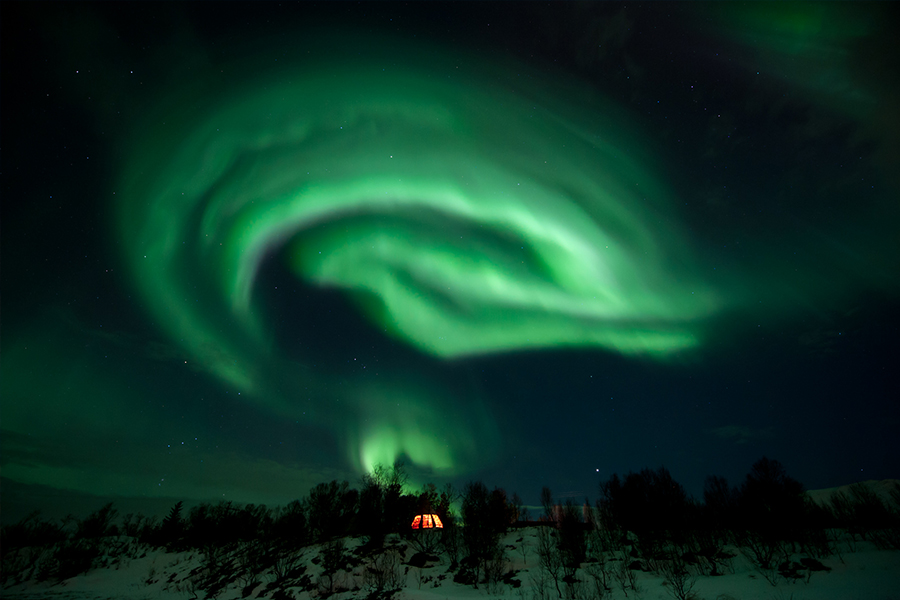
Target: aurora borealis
460, 221
328, 239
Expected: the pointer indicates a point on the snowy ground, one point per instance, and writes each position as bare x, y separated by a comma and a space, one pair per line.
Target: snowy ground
864, 574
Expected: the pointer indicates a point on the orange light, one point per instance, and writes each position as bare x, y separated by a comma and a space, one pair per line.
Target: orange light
430, 521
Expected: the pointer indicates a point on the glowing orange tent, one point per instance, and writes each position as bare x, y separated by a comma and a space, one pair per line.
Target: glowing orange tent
430, 521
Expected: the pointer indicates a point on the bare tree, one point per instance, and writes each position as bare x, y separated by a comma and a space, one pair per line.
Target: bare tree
333, 561
599, 580
547, 503
481, 533
548, 557
680, 580
494, 569
250, 559
518, 508
571, 544
285, 561
626, 577
540, 581
451, 540
523, 549
383, 572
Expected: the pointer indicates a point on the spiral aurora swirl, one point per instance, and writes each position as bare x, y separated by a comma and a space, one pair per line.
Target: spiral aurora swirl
468, 214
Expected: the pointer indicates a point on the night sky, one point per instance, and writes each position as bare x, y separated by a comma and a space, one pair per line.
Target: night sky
247, 248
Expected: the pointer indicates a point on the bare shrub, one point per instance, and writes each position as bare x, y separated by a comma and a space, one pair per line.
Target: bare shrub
427, 540
524, 544
383, 572
334, 561
451, 540
549, 560
626, 577
679, 579
540, 583
494, 569
250, 560
284, 562
598, 580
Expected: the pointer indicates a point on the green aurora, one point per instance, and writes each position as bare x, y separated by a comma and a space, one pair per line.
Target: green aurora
465, 217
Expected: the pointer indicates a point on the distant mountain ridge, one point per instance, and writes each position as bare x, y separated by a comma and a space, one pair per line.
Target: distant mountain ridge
881, 487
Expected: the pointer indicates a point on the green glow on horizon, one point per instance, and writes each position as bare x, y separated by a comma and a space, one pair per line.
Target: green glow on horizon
468, 216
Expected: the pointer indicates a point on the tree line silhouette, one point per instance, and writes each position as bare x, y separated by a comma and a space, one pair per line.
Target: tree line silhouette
641, 521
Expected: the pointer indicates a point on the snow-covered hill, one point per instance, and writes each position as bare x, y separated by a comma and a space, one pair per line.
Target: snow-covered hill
857, 571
